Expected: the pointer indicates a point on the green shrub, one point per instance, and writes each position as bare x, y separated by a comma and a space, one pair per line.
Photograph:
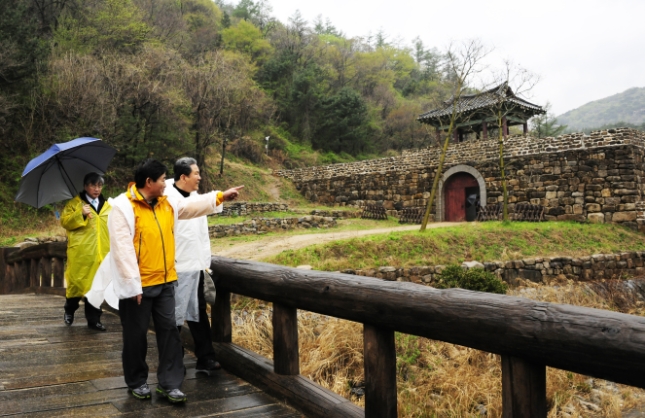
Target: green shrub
472, 279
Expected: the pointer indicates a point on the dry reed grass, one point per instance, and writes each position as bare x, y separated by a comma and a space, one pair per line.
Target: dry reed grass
437, 379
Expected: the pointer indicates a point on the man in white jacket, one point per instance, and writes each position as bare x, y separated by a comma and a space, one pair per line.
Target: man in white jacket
140, 274
193, 257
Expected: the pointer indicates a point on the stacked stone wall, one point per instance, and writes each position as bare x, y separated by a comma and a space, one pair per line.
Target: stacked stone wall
264, 225
245, 208
576, 177
539, 270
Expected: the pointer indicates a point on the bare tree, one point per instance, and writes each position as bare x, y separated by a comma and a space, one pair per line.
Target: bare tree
463, 61
224, 99
504, 101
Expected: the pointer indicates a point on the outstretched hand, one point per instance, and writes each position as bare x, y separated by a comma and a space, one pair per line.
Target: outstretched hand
232, 193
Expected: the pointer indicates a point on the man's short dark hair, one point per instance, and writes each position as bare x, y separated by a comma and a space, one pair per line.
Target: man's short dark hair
183, 166
149, 169
93, 178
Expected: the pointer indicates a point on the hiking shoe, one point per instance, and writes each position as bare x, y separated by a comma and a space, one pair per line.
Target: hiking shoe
209, 366
173, 395
142, 392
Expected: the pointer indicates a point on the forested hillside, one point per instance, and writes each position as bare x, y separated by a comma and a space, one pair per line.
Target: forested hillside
165, 78
623, 109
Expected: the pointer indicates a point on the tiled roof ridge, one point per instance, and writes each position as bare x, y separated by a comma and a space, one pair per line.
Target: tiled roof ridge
469, 102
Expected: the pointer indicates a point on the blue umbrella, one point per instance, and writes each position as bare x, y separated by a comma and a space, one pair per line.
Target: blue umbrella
57, 174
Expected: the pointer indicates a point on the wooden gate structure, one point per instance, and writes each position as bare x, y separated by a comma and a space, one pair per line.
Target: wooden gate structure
455, 196
528, 335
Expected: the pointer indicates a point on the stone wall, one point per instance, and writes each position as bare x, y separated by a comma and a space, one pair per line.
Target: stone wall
245, 208
576, 177
264, 225
337, 213
539, 270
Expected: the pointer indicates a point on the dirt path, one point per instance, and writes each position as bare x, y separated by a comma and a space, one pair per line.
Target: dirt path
274, 245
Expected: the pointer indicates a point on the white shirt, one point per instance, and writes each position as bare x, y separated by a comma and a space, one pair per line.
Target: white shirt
192, 242
93, 202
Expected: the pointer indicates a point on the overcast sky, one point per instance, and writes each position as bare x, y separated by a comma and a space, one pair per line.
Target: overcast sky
582, 50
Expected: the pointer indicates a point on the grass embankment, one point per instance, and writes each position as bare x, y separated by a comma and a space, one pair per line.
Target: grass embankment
487, 241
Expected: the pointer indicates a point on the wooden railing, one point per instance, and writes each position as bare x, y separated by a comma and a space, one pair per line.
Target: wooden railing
411, 215
39, 268
374, 212
528, 335
528, 212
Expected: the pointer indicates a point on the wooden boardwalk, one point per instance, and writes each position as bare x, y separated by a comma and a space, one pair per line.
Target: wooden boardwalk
48, 369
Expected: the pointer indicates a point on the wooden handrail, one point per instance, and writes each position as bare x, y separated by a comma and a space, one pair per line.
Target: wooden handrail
529, 335
39, 268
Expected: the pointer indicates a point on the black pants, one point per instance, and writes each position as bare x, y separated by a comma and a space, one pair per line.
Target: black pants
201, 331
92, 314
158, 302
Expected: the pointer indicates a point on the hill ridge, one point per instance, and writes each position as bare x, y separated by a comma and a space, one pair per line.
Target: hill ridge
627, 106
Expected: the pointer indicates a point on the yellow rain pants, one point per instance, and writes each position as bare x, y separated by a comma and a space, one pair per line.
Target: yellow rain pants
88, 243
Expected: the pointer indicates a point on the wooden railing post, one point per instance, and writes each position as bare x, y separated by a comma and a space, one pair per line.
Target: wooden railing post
221, 327
25, 274
4, 270
380, 372
46, 269
286, 359
34, 276
10, 278
58, 272
523, 388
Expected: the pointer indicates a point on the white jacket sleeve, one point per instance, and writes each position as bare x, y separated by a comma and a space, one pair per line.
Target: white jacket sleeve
205, 242
127, 281
200, 205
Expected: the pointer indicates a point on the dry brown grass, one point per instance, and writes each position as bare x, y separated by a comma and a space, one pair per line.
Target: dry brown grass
437, 379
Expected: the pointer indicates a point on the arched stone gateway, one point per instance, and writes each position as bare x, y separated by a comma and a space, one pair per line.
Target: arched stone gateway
460, 189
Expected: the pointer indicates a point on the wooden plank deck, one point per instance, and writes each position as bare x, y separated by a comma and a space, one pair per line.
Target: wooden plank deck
48, 369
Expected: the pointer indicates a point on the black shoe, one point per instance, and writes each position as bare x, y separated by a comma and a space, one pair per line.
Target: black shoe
97, 327
209, 366
68, 318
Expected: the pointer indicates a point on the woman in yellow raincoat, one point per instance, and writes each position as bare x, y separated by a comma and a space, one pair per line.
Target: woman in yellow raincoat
85, 219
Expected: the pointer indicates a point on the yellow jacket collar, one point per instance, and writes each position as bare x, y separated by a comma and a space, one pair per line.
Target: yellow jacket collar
135, 195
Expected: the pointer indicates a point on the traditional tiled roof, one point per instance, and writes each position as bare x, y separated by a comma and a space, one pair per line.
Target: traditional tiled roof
489, 98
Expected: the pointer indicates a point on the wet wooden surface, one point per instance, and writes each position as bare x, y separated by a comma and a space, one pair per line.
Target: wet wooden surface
48, 369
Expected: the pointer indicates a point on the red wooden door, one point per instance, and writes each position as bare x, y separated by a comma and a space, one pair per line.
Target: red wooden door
455, 196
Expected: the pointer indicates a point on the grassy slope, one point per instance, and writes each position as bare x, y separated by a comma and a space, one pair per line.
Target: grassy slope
475, 241
18, 220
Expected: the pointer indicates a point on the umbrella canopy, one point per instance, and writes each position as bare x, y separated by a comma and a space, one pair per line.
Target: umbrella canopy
57, 174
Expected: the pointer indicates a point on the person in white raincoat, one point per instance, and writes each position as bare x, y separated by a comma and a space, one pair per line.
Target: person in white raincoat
139, 273
193, 257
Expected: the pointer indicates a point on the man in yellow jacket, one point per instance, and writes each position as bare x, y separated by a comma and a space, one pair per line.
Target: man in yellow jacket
142, 262
85, 219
